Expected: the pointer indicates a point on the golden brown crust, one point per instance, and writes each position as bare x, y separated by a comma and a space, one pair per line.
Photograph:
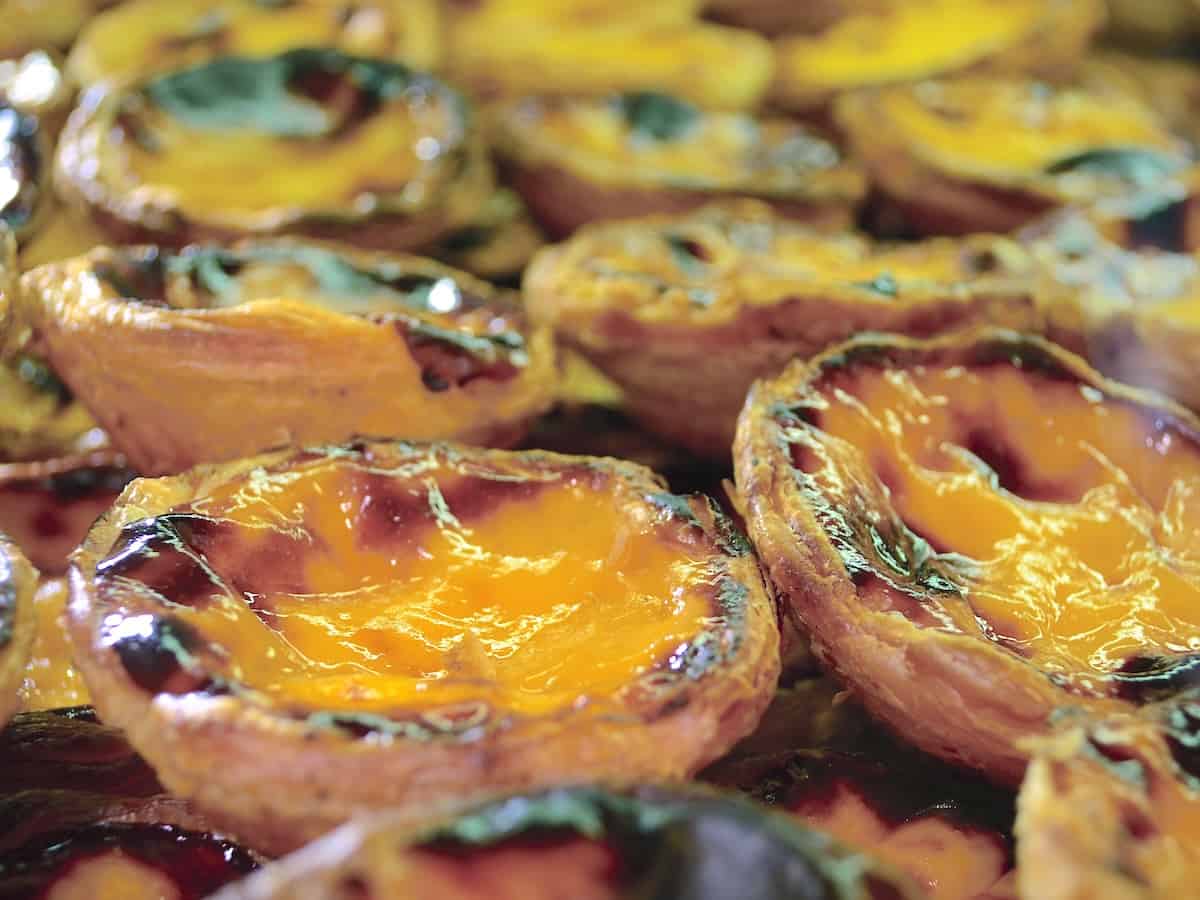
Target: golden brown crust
962, 696
178, 386
278, 777
17, 624
686, 312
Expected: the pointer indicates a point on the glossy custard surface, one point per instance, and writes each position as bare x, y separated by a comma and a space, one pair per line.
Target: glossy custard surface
1066, 519
316, 131
338, 584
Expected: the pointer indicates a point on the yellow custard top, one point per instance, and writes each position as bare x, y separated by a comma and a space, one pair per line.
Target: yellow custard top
709, 265
51, 679
390, 587
1070, 141
149, 36
310, 130
903, 41
1068, 519
655, 140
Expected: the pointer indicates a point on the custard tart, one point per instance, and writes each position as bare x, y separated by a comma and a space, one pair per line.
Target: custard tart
897, 41
1135, 316
1110, 809
311, 141
82, 817
296, 638
976, 531
17, 581
145, 36
586, 843
498, 51
684, 312
993, 153
633, 154
213, 352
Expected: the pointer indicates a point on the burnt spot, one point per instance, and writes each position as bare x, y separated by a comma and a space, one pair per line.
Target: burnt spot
1183, 740
138, 274
319, 79
158, 653
1164, 228
166, 554
1029, 356
454, 359
196, 863
8, 603
1150, 678
1007, 469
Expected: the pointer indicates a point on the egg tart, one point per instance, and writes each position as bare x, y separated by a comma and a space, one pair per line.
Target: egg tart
1135, 316
17, 580
310, 141
976, 531
684, 312
1111, 808
82, 816
213, 353
144, 36
992, 154
295, 638
47, 506
900, 41
575, 161
636, 50
582, 842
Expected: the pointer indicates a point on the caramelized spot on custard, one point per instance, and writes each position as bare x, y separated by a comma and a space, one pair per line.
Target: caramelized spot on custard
1067, 519
51, 679
344, 583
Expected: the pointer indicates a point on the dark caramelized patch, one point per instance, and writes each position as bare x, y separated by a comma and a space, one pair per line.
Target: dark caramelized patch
1164, 228
158, 653
1152, 678
166, 554
1009, 470
450, 358
1183, 740
197, 864
137, 274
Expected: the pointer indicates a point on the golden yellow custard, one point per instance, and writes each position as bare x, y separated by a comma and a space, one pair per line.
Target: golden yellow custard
309, 140
137, 38
1022, 520
1110, 808
284, 343
422, 599
711, 65
685, 312
647, 152
62, 234
991, 153
51, 679
906, 41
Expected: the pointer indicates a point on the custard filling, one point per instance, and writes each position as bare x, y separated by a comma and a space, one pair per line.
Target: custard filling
335, 584
319, 132
1068, 517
